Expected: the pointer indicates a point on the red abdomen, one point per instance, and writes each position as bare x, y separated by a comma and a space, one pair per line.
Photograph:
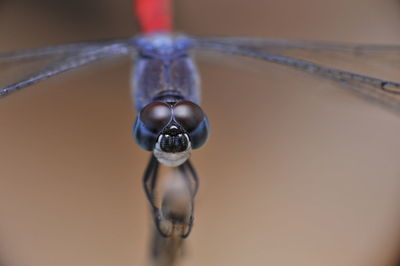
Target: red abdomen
154, 15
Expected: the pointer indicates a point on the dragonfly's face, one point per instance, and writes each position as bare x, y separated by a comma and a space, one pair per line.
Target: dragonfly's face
171, 130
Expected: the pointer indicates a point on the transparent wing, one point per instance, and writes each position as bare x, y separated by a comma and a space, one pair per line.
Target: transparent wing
15, 57
384, 92
331, 52
23, 68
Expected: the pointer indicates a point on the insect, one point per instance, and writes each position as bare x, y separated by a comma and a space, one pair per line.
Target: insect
170, 121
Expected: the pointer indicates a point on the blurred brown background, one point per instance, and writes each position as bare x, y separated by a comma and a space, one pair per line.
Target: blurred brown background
296, 172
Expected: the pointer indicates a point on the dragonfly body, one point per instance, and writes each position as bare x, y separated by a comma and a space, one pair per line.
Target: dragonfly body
170, 122
167, 95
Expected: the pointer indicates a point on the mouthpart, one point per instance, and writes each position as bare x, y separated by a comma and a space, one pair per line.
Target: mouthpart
172, 150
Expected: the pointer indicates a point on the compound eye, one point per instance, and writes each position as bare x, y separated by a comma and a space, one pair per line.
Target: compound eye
155, 116
189, 115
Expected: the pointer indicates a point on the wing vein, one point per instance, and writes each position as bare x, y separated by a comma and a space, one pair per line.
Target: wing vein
66, 64
374, 89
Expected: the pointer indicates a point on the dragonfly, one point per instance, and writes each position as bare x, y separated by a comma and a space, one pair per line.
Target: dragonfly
170, 122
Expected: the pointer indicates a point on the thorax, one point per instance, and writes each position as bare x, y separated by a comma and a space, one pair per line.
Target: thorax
164, 68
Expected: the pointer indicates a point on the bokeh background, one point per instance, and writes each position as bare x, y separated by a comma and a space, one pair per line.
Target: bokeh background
296, 172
